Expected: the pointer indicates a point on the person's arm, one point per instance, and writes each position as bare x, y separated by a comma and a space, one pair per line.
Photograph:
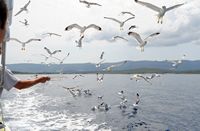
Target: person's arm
23, 84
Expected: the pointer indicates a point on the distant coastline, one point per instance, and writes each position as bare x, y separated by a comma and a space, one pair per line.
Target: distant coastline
131, 67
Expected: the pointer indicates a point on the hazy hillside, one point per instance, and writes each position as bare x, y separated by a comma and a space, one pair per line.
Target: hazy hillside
129, 67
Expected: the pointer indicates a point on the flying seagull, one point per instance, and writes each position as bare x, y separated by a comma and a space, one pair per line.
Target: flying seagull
25, 42
126, 12
24, 8
99, 63
161, 11
82, 28
88, 4
50, 52
114, 65
121, 23
119, 37
25, 22
102, 54
79, 42
137, 77
51, 34
142, 42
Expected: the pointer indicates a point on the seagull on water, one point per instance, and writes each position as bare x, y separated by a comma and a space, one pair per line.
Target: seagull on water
137, 101
25, 22
82, 28
88, 4
50, 52
121, 23
24, 8
161, 11
142, 42
25, 42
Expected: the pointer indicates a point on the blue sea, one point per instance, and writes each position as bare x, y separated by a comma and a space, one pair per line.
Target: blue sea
170, 103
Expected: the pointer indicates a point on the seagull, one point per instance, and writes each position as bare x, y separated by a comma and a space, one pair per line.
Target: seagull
24, 8
142, 42
50, 34
136, 102
126, 12
119, 37
77, 76
89, 3
79, 42
46, 57
102, 54
161, 11
115, 65
82, 28
99, 63
137, 77
100, 78
26, 42
132, 27
121, 23
25, 22
51, 53
61, 60
175, 63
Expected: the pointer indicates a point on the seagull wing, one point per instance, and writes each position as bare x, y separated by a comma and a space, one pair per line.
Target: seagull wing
129, 19
83, 1
19, 12
152, 35
26, 5
120, 37
73, 26
175, 6
32, 40
15, 39
144, 78
113, 19
48, 51
126, 12
94, 26
95, 4
136, 36
56, 51
149, 5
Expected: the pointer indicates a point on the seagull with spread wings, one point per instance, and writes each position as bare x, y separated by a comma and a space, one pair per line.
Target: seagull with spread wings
126, 12
82, 28
88, 4
121, 23
161, 11
114, 65
51, 34
25, 22
118, 38
137, 77
24, 8
50, 52
142, 42
25, 42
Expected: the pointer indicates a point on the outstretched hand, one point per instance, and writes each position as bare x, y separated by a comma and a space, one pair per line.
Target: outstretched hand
43, 79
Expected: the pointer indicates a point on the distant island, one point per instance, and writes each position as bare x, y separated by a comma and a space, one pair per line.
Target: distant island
131, 67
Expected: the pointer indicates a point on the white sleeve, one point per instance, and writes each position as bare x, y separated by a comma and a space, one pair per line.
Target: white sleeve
9, 80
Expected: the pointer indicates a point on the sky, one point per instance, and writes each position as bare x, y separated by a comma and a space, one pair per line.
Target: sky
179, 33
